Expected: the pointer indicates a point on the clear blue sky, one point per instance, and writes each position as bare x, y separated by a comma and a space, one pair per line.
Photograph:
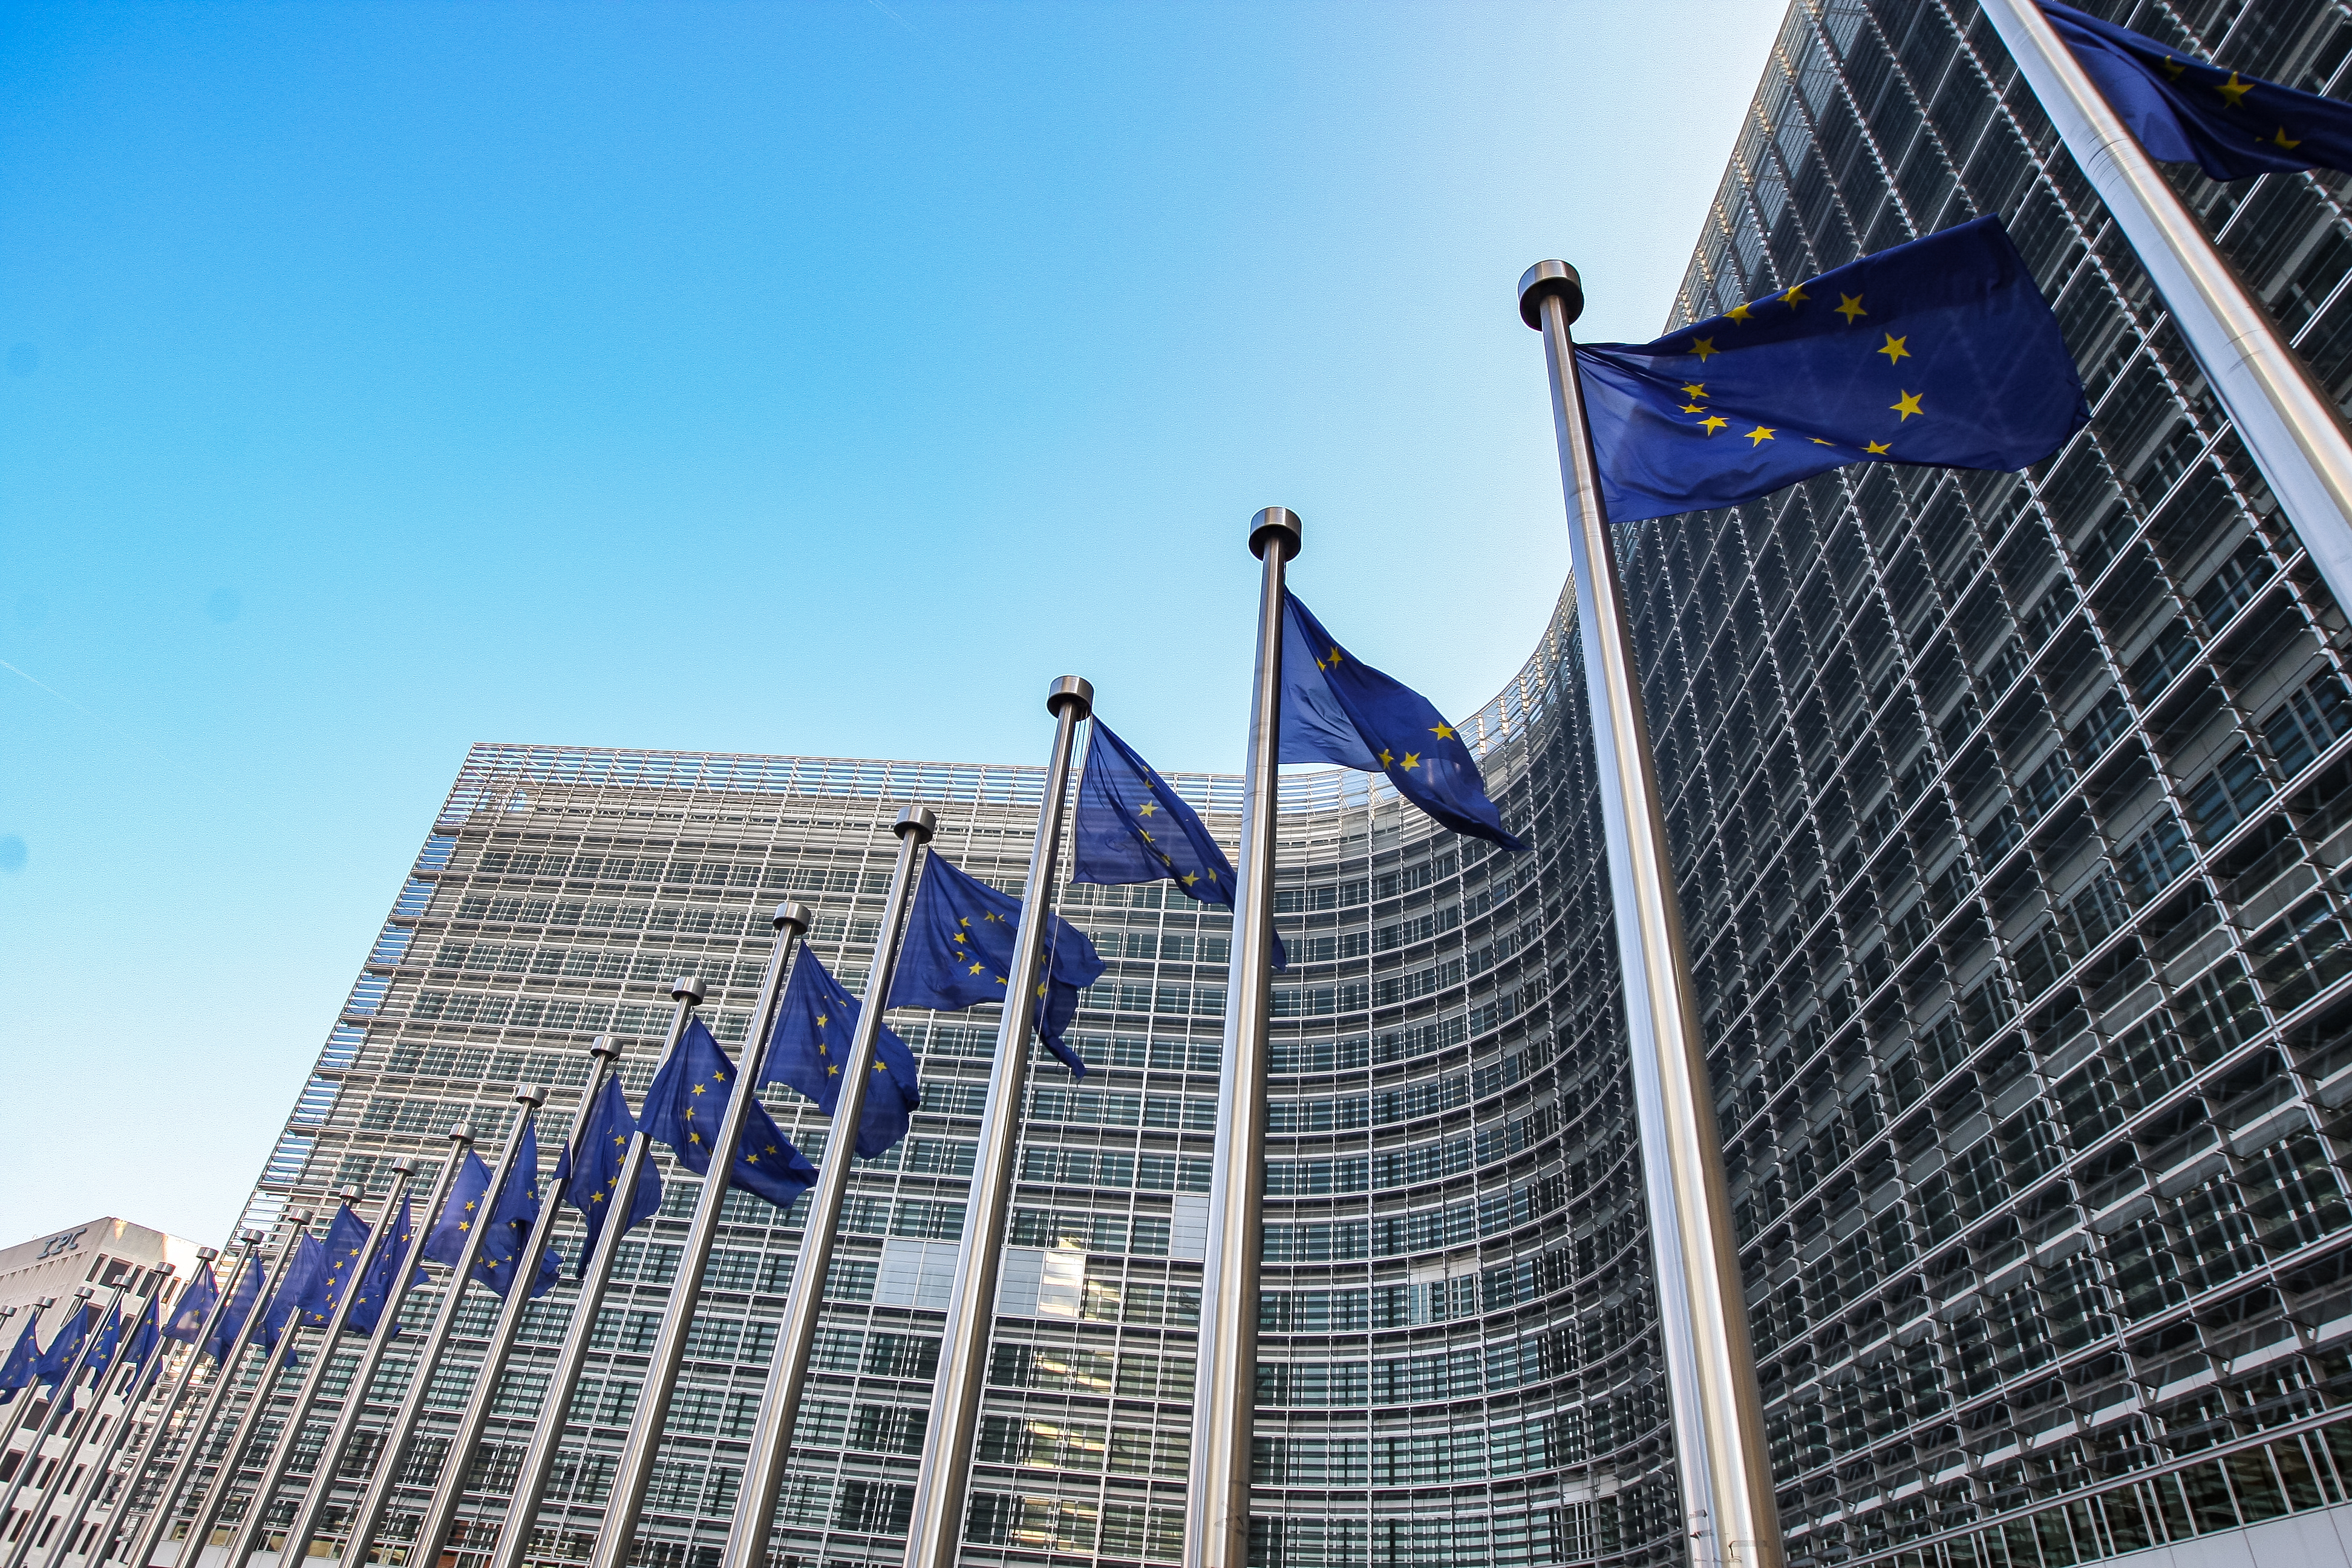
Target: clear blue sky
811, 377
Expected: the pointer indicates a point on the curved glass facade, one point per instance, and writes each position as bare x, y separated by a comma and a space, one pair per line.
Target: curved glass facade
2012, 814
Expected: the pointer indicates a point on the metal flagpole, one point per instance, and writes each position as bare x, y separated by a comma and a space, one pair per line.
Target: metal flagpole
24, 1400
547, 1433
937, 1526
241, 1432
434, 1532
1216, 1503
135, 1389
152, 1443
378, 1497
2288, 424
58, 1475
1718, 1419
635, 1472
224, 1373
780, 1403
312, 1504
254, 1528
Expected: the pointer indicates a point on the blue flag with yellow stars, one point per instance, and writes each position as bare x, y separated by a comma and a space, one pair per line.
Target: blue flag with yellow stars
511, 1219
2184, 110
194, 1305
1132, 827
346, 1243
100, 1359
59, 1359
445, 1242
813, 1027
685, 1103
376, 1284
589, 1187
242, 1298
24, 1362
1940, 351
1335, 709
958, 952
298, 1289
143, 1337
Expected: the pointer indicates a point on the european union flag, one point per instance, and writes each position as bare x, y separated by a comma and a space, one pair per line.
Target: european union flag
604, 1145
59, 1359
24, 1362
1940, 351
299, 1290
143, 1337
685, 1103
2185, 111
242, 1299
446, 1243
194, 1305
1132, 827
814, 1028
511, 1219
959, 953
376, 1284
1335, 709
346, 1243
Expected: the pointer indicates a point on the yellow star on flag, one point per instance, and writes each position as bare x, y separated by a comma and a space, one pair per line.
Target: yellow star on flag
1713, 423
1147, 808
1703, 347
1758, 435
2233, 89
2173, 68
1794, 295
1412, 761
1696, 389
1739, 313
1876, 446
1908, 405
1850, 306
1894, 350
1445, 732
2282, 140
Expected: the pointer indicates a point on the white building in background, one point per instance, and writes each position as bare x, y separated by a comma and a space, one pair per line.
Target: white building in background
101, 1253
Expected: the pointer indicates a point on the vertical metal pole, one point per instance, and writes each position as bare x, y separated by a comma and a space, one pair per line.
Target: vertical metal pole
24, 1400
252, 1528
936, 1529
311, 1505
152, 1445
23, 1545
635, 1472
547, 1433
2290, 428
224, 1374
378, 1496
1217, 1505
1719, 1417
434, 1532
780, 1403
134, 1390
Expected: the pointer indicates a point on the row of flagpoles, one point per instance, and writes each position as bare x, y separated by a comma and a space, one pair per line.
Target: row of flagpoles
1635, 426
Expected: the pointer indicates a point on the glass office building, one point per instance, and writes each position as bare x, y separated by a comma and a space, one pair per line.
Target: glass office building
2008, 812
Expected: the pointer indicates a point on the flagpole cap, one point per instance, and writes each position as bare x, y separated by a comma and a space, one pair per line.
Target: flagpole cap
1071, 691
252, 1238
461, 1134
920, 821
532, 1094
82, 1292
301, 1217
404, 1167
1544, 280
204, 1254
1271, 524
606, 1047
686, 988
348, 1196
793, 916
45, 1301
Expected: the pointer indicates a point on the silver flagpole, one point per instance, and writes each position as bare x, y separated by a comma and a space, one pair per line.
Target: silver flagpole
755, 1504
152, 1445
241, 1431
1216, 1503
24, 1400
254, 1528
369, 1516
2289, 427
135, 1389
312, 1501
937, 1526
1721, 1461
635, 1472
547, 1433
434, 1532
224, 1374
60, 1473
